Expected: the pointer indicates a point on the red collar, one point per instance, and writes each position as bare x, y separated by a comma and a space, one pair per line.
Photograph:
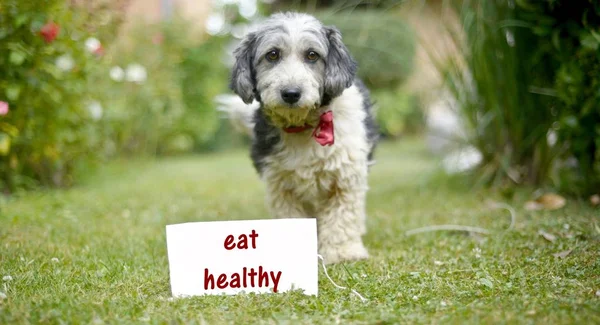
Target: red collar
323, 133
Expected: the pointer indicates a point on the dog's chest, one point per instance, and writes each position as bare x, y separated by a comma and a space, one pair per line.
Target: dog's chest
313, 172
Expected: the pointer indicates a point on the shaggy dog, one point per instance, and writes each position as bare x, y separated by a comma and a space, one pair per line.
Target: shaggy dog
312, 127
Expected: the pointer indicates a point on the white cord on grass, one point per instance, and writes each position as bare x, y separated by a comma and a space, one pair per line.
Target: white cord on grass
513, 217
363, 299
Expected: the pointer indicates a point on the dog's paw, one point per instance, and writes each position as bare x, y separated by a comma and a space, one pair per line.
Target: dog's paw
347, 252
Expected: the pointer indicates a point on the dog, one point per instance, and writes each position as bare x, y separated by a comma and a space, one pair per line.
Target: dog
312, 127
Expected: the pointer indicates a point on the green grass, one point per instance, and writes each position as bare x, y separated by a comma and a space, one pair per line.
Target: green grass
108, 235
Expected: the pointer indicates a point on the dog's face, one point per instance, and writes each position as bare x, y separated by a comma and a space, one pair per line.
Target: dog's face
292, 64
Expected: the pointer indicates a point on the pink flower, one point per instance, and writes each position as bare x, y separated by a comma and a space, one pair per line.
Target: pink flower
3, 108
99, 51
49, 32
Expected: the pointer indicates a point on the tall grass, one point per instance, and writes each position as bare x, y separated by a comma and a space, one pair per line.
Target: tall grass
506, 117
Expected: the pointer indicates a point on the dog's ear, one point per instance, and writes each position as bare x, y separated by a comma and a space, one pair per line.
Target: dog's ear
340, 67
242, 74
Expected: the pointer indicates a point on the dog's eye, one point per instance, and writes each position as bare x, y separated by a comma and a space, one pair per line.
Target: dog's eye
272, 55
312, 56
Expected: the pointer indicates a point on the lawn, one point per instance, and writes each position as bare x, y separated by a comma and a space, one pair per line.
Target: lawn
97, 253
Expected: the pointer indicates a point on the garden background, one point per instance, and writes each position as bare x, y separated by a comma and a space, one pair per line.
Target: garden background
109, 116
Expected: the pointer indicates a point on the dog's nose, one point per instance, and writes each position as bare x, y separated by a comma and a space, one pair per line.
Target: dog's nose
291, 95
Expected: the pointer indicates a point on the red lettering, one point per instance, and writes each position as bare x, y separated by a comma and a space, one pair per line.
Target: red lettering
262, 276
253, 235
275, 280
243, 242
244, 278
222, 281
240, 280
208, 278
228, 243
252, 274
235, 280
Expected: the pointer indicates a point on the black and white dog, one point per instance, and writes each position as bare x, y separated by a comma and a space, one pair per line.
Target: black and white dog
312, 126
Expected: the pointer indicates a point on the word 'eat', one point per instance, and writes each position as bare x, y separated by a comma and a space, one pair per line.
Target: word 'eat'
242, 241
246, 278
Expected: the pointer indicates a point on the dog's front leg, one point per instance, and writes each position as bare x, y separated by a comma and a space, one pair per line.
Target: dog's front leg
282, 201
341, 224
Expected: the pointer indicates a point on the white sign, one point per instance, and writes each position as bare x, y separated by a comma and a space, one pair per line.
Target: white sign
230, 257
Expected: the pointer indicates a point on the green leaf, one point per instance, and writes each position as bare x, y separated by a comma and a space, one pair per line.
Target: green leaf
21, 20
10, 129
590, 42
17, 57
13, 92
4, 144
486, 282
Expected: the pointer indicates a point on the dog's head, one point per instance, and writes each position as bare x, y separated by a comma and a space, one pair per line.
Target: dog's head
292, 64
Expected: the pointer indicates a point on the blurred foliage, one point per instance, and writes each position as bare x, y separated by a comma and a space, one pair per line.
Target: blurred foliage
73, 100
384, 47
398, 113
381, 42
338, 5
566, 40
528, 89
170, 109
44, 68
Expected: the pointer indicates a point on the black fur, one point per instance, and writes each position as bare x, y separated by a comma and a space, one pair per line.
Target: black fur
266, 136
243, 76
369, 122
340, 67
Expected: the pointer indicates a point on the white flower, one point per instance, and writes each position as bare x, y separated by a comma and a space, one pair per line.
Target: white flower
136, 73
552, 138
92, 44
247, 8
117, 73
443, 303
239, 30
54, 260
7, 278
510, 38
95, 109
415, 298
214, 24
65, 62
2, 295
462, 160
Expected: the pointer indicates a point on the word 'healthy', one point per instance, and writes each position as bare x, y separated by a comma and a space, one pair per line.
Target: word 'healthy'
247, 277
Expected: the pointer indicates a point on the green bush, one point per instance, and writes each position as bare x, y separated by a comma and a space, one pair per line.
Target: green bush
44, 66
566, 38
381, 42
398, 113
531, 75
204, 76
